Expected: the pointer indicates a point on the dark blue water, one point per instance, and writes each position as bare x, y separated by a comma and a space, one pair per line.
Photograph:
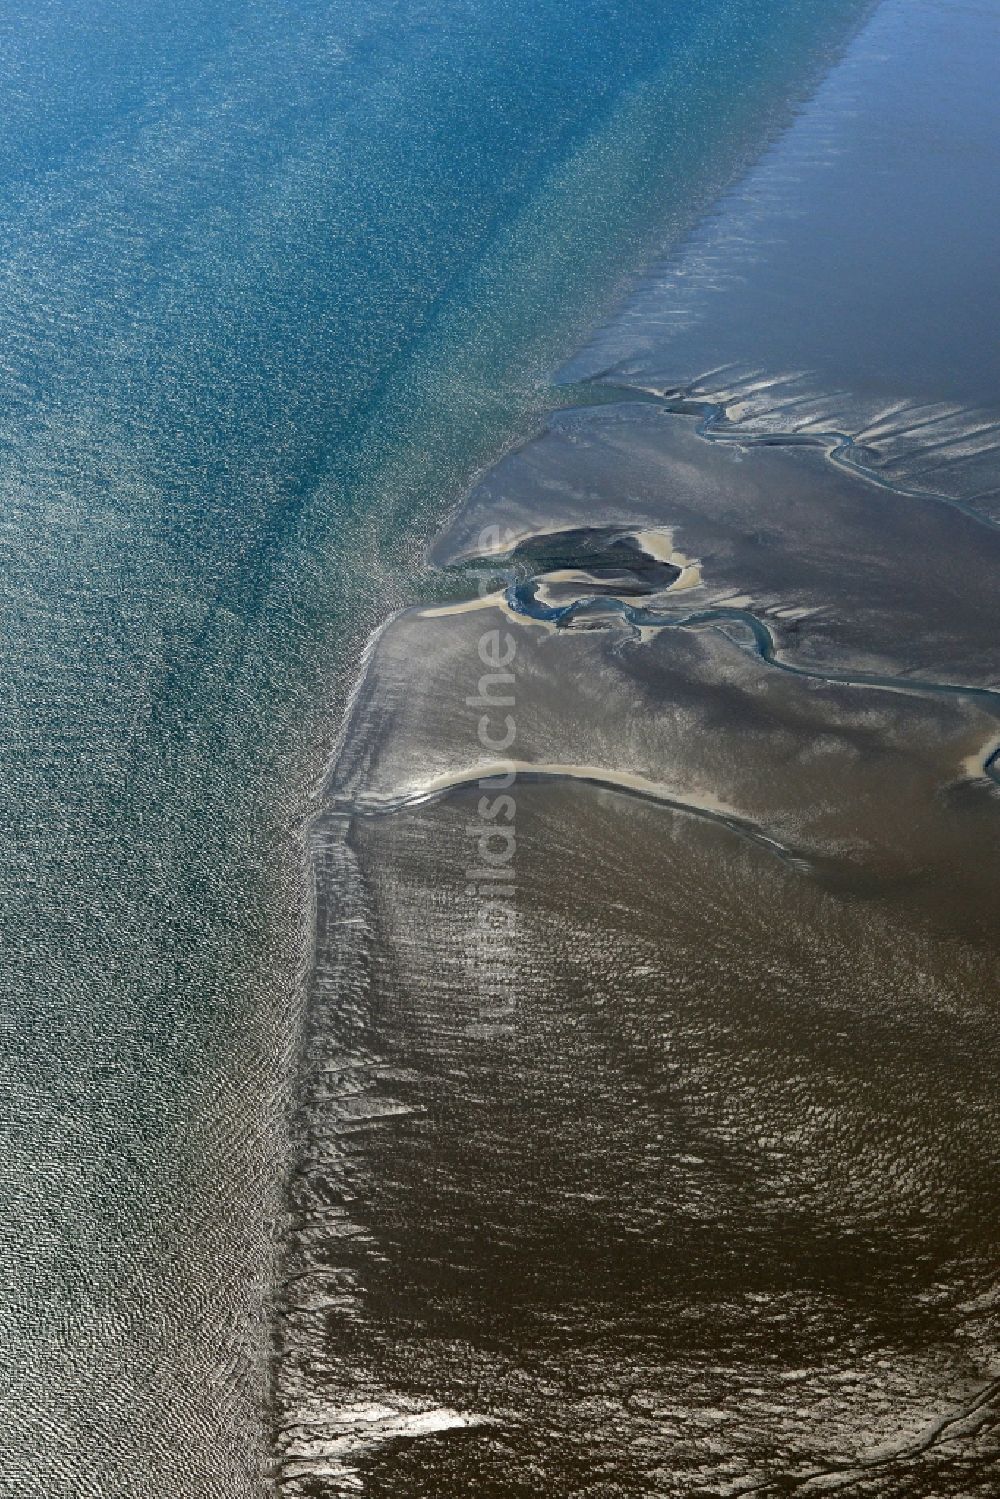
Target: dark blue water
274, 279
847, 281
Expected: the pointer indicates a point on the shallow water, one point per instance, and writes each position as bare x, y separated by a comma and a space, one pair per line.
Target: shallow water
274, 280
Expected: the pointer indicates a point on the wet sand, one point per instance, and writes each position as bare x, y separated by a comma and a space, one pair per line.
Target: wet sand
674, 1178
653, 1158
648, 1147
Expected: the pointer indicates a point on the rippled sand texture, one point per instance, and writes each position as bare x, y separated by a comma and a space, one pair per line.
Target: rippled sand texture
647, 1141
701, 1200
675, 1174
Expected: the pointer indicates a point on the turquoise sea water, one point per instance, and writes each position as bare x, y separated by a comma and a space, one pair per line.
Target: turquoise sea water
274, 280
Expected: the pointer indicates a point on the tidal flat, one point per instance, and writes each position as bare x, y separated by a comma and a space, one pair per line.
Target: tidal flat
648, 1140
655, 1047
